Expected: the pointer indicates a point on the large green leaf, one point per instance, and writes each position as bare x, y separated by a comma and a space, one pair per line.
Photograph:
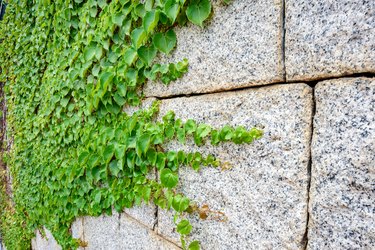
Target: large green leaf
198, 11
150, 20
165, 42
172, 8
168, 178
138, 37
147, 54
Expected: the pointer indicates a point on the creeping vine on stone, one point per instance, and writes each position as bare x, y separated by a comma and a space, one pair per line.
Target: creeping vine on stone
70, 67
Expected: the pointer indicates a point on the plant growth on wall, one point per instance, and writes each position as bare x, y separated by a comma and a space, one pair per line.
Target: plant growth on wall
70, 67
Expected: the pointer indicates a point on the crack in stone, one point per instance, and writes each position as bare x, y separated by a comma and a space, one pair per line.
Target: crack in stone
283, 30
305, 238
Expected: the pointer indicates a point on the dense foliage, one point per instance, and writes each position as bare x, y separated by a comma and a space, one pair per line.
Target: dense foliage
70, 66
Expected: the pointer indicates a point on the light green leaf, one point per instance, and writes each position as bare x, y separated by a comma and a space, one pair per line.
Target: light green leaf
168, 178
171, 9
194, 245
180, 203
138, 36
184, 227
190, 126
150, 20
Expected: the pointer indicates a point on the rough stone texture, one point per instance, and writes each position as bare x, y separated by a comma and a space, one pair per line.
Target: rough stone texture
342, 194
329, 38
77, 230
240, 46
44, 243
135, 236
264, 195
102, 232
121, 232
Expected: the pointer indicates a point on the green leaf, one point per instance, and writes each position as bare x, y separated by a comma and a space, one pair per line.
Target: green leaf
198, 11
165, 42
171, 9
160, 162
169, 131
82, 158
106, 79
108, 153
90, 52
118, 18
152, 156
138, 36
114, 168
143, 143
120, 151
194, 245
184, 227
190, 126
150, 20
168, 178
93, 161
180, 203
132, 77
147, 54
203, 130
119, 99
130, 56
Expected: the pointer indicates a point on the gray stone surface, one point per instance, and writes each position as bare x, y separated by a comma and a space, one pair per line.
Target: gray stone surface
264, 195
121, 232
329, 38
342, 194
240, 46
77, 230
102, 232
45, 243
145, 214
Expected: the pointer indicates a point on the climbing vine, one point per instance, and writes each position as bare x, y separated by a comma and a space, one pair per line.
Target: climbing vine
70, 67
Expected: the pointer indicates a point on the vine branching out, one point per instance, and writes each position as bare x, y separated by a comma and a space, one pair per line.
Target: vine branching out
69, 68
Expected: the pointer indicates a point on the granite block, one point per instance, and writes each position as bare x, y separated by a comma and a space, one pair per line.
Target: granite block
120, 231
45, 243
264, 196
342, 194
102, 232
136, 236
239, 46
77, 230
145, 214
329, 38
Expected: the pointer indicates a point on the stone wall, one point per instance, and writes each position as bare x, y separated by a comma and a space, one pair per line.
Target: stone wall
304, 72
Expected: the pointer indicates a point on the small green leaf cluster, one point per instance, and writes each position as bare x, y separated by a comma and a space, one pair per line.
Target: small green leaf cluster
70, 67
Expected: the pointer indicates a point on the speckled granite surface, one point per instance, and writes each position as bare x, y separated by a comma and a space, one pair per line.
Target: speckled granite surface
240, 46
329, 38
121, 232
264, 196
342, 195
44, 243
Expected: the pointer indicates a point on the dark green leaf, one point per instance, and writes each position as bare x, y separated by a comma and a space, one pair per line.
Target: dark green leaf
147, 54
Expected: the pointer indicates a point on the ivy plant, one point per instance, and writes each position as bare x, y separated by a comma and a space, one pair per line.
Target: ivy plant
70, 67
